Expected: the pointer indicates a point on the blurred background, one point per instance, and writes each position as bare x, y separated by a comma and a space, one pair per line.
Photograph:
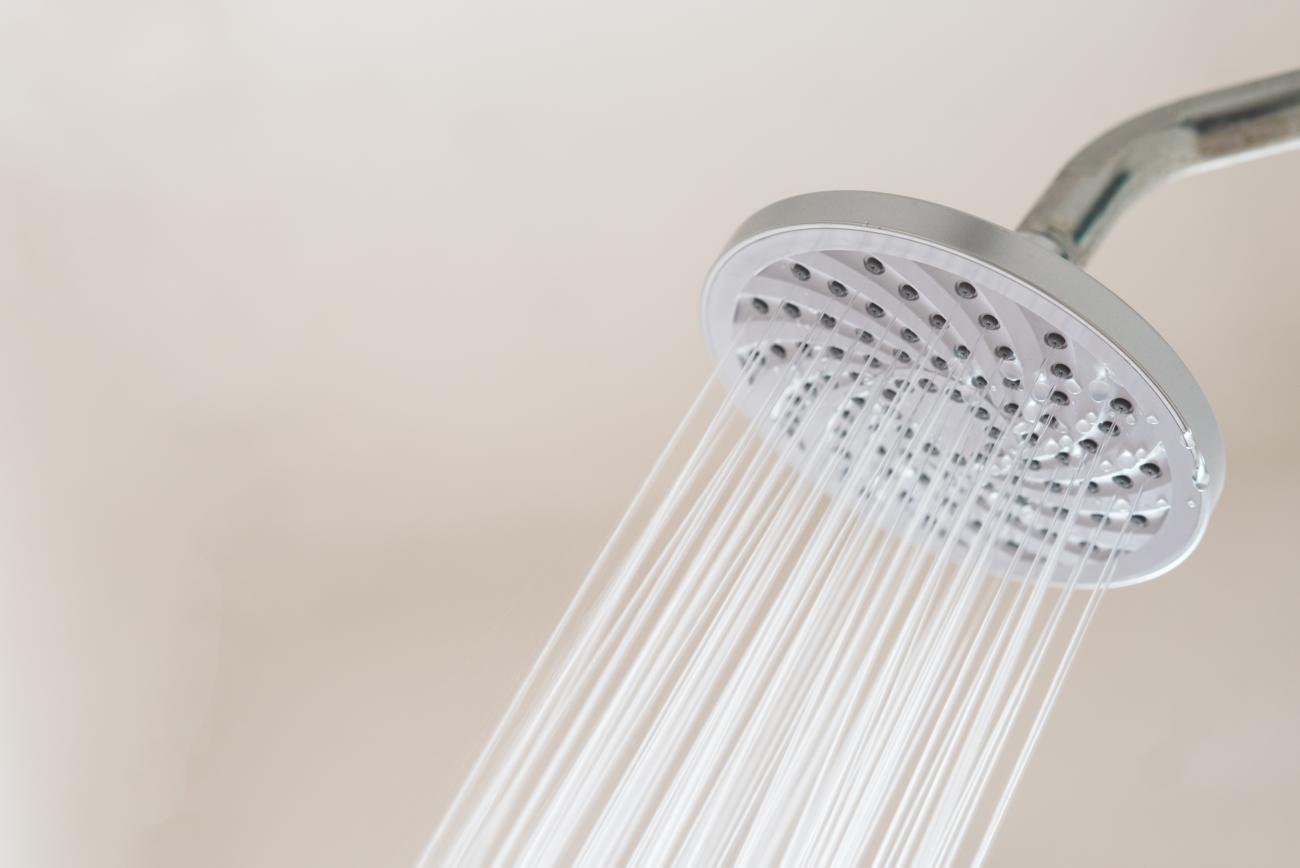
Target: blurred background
334, 338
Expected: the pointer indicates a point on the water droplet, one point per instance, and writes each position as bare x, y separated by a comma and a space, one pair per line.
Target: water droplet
1011, 369
1099, 389
1201, 480
1152, 420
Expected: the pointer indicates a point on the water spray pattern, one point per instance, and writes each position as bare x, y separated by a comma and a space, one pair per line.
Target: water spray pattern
830, 627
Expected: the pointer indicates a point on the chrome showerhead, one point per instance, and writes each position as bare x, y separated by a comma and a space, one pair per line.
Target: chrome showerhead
1049, 365
886, 300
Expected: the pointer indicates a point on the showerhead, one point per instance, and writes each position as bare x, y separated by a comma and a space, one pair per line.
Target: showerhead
884, 299
877, 301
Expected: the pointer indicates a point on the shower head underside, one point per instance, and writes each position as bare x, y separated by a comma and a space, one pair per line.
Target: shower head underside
884, 300
1074, 405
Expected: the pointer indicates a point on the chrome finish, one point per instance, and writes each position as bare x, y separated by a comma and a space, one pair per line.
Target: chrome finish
1210, 131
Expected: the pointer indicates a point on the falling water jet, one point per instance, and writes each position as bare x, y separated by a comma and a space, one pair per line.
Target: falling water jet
816, 637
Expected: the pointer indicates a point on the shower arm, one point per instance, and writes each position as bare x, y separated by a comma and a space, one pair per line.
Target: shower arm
1210, 131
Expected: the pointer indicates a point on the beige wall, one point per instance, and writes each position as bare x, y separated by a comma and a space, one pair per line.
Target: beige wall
334, 336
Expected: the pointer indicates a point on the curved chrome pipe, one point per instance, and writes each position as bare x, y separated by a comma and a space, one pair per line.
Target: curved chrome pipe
1205, 132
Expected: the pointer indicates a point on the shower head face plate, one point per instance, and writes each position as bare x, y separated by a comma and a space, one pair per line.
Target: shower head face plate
872, 295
